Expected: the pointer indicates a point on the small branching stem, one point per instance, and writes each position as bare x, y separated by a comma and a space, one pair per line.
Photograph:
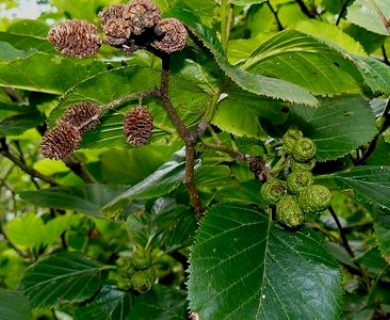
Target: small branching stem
4, 150
79, 169
309, 13
275, 14
185, 134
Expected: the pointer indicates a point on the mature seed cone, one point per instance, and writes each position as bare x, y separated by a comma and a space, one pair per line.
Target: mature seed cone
75, 38
84, 115
137, 126
174, 36
115, 27
60, 142
143, 14
112, 12
118, 31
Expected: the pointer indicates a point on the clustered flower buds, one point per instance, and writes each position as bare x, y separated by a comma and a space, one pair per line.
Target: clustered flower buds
138, 125
75, 38
65, 138
298, 195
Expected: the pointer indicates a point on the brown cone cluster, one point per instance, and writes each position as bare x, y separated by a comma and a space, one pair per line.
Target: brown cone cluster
83, 115
75, 38
60, 142
174, 36
137, 126
134, 25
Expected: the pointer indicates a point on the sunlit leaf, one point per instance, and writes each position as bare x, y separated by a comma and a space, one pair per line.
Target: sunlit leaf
262, 273
14, 305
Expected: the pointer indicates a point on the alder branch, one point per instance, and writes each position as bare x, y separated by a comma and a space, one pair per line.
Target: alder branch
4, 150
309, 13
79, 169
186, 135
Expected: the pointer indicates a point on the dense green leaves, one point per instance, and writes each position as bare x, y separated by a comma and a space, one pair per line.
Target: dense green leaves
89, 199
61, 278
262, 272
258, 84
17, 124
14, 305
338, 126
370, 183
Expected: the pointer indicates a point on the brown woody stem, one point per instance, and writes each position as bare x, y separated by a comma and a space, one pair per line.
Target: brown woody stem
187, 136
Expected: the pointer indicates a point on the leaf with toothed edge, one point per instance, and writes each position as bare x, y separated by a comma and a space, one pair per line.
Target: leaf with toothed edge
254, 83
243, 266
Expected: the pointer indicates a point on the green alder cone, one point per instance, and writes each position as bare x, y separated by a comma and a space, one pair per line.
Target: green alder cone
291, 137
315, 199
124, 284
297, 181
125, 266
143, 280
289, 213
140, 259
299, 166
304, 150
273, 190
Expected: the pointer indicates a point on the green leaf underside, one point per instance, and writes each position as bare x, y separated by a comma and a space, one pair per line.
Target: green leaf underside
165, 179
42, 72
89, 199
338, 126
254, 83
370, 183
262, 273
110, 303
14, 305
61, 278
369, 14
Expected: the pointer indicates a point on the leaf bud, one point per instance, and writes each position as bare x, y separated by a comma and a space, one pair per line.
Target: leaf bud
288, 212
291, 137
273, 190
315, 199
304, 150
297, 181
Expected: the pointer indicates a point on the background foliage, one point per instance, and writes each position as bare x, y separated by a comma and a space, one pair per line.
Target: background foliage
251, 70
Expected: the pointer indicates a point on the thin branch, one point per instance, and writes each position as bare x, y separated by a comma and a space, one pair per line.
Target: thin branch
275, 14
341, 232
383, 121
187, 136
309, 13
224, 149
79, 169
342, 11
384, 54
24, 167
15, 248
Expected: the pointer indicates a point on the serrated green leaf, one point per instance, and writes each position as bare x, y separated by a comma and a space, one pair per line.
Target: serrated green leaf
301, 59
370, 183
25, 42
17, 124
89, 199
246, 2
262, 273
254, 83
26, 232
337, 127
165, 179
109, 304
61, 278
382, 230
42, 72
370, 14
161, 303
14, 305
